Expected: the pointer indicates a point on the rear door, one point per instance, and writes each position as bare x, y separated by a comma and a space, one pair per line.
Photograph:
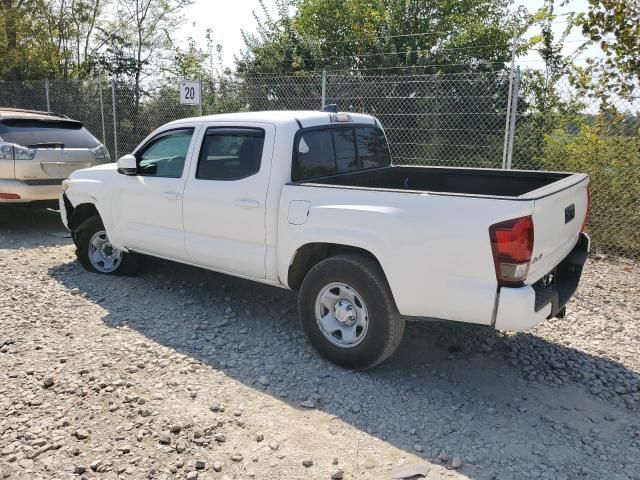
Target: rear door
225, 198
558, 216
61, 147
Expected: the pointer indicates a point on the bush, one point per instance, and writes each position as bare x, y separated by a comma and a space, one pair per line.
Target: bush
608, 149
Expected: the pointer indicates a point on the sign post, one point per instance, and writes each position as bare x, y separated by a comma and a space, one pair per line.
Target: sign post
190, 93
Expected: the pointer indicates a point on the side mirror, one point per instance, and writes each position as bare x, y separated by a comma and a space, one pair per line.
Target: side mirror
127, 165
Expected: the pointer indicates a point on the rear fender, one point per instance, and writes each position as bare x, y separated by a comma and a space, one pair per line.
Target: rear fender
370, 242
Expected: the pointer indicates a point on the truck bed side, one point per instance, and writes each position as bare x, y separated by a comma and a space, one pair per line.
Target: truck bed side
435, 250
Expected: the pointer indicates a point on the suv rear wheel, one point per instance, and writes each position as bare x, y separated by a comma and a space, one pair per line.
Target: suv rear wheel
96, 253
348, 313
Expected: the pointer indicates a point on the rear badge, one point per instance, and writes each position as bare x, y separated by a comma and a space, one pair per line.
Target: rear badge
569, 213
536, 258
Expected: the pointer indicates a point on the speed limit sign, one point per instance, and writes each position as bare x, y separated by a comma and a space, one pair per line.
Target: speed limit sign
190, 92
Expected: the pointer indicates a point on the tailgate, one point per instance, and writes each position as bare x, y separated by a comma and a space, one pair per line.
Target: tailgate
558, 215
53, 163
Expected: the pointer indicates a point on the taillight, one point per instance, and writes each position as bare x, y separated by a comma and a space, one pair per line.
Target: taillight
100, 152
9, 196
512, 247
586, 213
11, 151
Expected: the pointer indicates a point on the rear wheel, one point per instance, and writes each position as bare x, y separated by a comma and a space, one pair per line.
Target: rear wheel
96, 253
348, 313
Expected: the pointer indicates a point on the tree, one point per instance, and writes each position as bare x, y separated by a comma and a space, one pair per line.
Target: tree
144, 28
366, 39
25, 52
365, 34
615, 25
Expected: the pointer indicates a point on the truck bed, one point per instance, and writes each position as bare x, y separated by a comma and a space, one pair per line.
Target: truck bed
485, 182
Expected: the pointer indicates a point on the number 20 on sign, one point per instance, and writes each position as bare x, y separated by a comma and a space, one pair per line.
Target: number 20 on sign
190, 92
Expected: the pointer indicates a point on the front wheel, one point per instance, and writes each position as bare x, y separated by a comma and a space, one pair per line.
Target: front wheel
96, 253
348, 313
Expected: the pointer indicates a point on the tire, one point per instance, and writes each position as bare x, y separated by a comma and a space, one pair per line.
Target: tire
360, 291
124, 264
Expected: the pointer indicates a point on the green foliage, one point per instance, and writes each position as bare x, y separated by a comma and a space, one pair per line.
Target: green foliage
615, 25
608, 149
364, 34
75, 39
25, 52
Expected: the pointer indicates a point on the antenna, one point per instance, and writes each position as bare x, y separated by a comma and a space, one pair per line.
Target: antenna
331, 108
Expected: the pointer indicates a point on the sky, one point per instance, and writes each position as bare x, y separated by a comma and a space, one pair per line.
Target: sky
228, 18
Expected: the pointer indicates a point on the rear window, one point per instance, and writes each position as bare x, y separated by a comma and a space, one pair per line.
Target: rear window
373, 150
328, 151
34, 133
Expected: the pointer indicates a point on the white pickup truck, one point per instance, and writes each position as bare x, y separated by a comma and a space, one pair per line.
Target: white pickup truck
311, 201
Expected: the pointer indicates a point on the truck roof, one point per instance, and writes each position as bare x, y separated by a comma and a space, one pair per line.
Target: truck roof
306, 118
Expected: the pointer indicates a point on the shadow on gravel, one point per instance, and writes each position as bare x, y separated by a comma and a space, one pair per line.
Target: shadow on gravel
31, 226
511, 407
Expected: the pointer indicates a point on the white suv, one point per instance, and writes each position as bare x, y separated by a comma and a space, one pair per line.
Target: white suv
38, 150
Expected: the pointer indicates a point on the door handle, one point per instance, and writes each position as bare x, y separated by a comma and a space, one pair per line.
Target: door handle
171, 195
247, 203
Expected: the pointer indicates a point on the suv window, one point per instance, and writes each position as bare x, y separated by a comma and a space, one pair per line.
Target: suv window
331, 150
230, 153
34, 133
164, 155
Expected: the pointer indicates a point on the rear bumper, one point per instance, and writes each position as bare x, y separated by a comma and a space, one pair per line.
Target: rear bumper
30, 191
522, 308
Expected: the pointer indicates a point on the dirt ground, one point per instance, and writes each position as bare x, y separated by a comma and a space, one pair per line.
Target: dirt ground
183, 373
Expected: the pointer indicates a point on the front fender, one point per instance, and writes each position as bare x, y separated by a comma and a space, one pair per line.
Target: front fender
98, 194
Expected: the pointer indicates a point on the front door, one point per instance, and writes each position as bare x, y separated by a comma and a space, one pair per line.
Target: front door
224, 200
148, 206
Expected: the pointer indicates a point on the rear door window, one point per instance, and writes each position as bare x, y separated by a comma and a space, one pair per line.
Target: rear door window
230, 153
47, 134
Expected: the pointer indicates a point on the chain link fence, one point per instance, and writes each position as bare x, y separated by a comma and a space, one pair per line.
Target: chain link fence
436, 119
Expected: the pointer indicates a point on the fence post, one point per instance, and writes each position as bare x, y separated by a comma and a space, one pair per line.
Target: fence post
46, 92
513, 115
324, 88
115, 121
101, 107
508, 115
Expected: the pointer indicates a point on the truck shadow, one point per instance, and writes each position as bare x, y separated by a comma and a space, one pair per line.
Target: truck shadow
31, 226
462, 389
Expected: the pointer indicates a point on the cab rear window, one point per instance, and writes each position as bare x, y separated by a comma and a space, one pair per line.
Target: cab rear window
332, 150
43, 133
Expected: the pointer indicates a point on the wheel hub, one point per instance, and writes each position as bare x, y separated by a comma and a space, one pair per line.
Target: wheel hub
341, 315
103, 256
345, 313
107, 249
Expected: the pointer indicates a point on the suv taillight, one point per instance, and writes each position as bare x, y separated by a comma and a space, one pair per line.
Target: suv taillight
586, 213
100, 153
512, 246
11, 151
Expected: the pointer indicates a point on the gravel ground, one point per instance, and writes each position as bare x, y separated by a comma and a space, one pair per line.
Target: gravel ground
183, 373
